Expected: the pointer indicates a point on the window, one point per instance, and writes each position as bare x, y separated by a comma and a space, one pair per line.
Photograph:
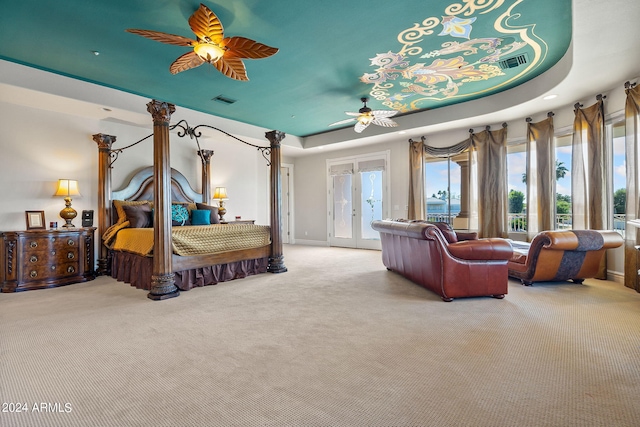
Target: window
563, 182
616, 135
443, 188
517, 184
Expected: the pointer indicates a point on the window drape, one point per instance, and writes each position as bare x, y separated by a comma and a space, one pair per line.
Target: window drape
632, 142
490, 149
588, 177
541, 177
417, 201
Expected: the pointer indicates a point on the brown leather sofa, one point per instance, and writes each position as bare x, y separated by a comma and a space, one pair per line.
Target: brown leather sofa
560, 255
436, 257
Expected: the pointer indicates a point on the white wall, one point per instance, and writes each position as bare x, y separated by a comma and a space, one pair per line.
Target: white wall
38, 147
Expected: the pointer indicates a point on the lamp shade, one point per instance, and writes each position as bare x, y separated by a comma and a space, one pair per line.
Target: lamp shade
67, 188
220, 193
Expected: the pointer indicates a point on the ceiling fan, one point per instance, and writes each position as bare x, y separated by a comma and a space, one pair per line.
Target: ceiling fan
211, 46
365, 116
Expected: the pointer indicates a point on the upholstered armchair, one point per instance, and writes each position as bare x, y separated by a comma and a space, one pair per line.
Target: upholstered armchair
437, 258
561, 255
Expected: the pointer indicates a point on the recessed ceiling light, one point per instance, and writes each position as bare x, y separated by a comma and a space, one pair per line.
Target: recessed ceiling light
548, 97
320, 148
95, 52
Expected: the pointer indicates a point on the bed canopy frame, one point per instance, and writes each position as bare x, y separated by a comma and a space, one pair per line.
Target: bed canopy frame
162, 278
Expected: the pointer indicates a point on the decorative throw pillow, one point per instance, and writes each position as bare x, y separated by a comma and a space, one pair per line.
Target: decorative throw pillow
214, 219
179, 214
447, 231
200, 217
139, 216
119, 204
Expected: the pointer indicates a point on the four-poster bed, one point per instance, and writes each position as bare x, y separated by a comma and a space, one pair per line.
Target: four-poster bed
160, 270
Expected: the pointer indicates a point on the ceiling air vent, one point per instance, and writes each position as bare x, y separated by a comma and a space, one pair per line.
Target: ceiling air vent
513, 62
224, 100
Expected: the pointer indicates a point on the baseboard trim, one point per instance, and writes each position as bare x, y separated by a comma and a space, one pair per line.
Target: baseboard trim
311, 242
615, 276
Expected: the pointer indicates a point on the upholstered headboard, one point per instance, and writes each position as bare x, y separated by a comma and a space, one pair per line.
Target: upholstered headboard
141, 188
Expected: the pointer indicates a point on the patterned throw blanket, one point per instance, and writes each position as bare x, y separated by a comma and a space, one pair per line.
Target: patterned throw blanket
196, 240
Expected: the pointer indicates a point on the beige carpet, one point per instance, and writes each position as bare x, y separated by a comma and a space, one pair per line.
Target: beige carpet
336, 341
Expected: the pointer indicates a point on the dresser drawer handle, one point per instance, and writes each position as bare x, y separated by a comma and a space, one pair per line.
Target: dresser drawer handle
70, 242
53, 267
33, 258
71, 255
71, 269
33, 274
53, 253
33, 244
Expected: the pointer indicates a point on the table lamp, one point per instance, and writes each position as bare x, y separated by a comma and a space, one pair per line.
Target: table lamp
220, 194
67, 188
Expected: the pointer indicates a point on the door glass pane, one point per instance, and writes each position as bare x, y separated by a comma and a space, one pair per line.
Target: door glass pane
370, 202
342, 207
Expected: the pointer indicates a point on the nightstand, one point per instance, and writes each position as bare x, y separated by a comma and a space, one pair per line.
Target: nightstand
37, 259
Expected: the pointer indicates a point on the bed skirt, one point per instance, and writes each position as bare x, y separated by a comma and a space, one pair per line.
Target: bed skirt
137, 270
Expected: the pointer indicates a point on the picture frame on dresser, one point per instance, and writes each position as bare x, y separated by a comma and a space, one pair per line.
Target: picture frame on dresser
35, 220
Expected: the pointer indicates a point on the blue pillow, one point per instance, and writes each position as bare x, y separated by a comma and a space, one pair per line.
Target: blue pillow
200, 217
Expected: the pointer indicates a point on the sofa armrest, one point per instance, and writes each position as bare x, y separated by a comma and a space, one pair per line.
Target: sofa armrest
490, 249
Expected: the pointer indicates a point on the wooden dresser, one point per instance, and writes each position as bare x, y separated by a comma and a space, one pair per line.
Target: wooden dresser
39, 259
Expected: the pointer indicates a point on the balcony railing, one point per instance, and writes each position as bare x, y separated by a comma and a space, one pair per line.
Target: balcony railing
440, 217
518, 222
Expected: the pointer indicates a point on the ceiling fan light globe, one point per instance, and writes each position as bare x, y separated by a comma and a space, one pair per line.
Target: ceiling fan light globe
208, 51
365, 119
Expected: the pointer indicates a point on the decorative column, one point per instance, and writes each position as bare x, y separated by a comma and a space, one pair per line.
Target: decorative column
205, 155
461, 221
104, 196
162, 279
276, 260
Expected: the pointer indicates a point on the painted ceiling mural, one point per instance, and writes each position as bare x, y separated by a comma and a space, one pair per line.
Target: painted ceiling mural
413, 77
405, 56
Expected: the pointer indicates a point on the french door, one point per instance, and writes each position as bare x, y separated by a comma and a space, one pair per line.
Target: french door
357, 195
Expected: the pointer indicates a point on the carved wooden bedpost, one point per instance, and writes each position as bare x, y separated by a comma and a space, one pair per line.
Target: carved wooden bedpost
163, 284
104, 196
276, 260
205, 155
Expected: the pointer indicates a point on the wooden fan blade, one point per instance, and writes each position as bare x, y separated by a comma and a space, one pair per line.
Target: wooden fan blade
163, 37
384, 122
342, 122
231, 67
206, 25
384, 113
359, 127
186, 62
242, 47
